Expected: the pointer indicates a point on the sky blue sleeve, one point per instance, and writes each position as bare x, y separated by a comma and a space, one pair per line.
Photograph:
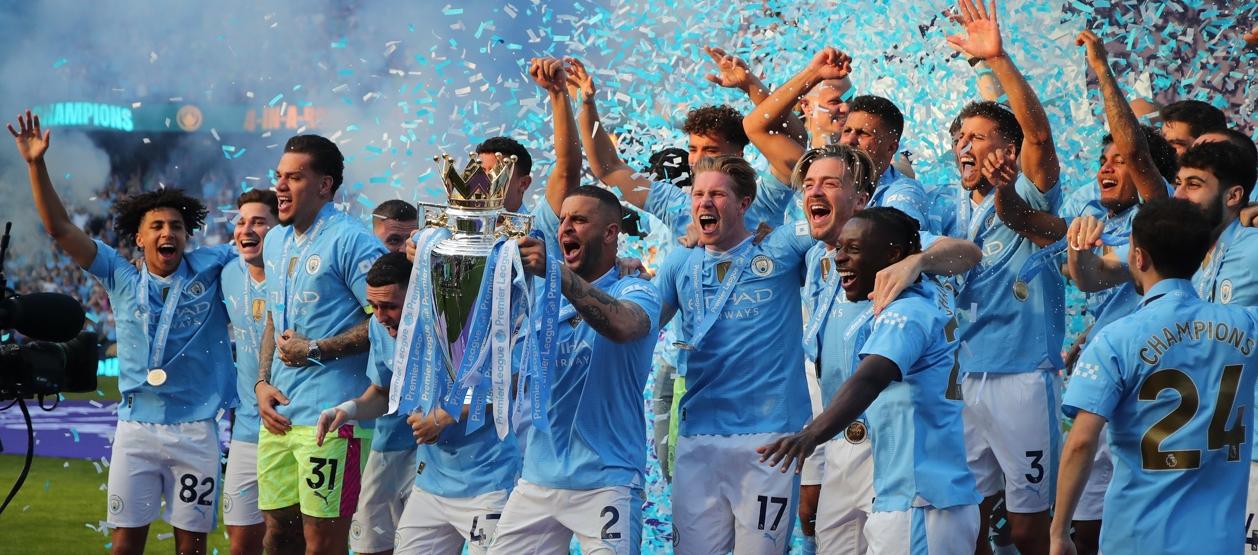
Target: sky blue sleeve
110, 268
377, 359
666, 277
908, 197
359, 250
641, 293
1096, 385
900, 334
545, 219
669, 204
1049, 202
942, 214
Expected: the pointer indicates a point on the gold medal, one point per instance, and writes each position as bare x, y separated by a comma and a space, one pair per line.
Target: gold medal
855, 432
156, 377
1021, 291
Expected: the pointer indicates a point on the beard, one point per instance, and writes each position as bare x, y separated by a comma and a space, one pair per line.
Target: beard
1214, 210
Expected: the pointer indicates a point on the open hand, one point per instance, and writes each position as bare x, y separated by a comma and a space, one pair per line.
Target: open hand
982, 30
1000, 168
889, 282
1085, 233
732, 71
329, 420
32, 141
830, 63
788, 450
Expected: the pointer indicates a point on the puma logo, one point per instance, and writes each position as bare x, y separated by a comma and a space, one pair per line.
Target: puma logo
324, 497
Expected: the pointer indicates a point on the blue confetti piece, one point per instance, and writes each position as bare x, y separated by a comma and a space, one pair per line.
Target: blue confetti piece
60, 63
275, 99
452, 11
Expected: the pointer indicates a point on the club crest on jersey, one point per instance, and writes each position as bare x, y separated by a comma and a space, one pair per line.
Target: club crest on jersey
227, 504
761, 265
196, 289
115, 504
312, 264
356, 531
1225, 291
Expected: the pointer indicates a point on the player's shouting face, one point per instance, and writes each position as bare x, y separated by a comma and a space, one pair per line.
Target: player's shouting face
717, 208
587, 230
163, 237
860, 255
978, 137
300, 189
251, 227
830, 198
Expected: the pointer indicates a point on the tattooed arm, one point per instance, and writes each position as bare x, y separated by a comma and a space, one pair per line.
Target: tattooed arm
620, 321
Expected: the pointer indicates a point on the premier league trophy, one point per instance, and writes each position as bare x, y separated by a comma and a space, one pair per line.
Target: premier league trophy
465, 307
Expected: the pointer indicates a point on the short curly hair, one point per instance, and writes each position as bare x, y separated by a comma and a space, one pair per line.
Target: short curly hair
130, 211
719, 121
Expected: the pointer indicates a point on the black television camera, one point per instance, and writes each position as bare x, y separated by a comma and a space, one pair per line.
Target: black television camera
62, 356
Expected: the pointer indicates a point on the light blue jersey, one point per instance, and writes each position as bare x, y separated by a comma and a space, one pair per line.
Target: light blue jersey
834, 329
597, 434
746, 376
1227, 275
458, 465
246, 306
545, 219
197, 354
917, 435
1175, 381
896, 190
391, 433
994, 309
317, 286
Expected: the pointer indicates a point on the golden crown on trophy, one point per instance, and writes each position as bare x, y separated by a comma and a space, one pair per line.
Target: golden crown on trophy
476, 187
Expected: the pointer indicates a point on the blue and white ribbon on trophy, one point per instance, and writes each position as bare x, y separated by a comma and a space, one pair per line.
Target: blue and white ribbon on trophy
417, 348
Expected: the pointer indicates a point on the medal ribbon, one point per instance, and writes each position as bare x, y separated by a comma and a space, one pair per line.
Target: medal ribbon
708, 317
1039, 260
157, 339
324, 215
828, 291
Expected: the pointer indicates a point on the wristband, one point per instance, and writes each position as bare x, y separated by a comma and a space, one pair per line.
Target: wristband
350, 408
261, 380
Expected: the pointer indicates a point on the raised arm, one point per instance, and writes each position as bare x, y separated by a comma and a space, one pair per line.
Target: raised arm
982, 40
733, 73
765, 125
946, 257
873, 374
1129, 139
620, 321
605, 163
566, 175
32, 143
1042, 228
1090, 272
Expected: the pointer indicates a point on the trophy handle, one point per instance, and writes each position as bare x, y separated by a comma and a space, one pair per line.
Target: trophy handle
432, 214
515, 224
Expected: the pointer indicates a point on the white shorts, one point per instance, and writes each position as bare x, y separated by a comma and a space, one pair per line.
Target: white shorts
387, 480
923, 530
725, 499
432, 524
541, 520
1013, 436
175, 462
240, 485
847, 495
1092, 502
